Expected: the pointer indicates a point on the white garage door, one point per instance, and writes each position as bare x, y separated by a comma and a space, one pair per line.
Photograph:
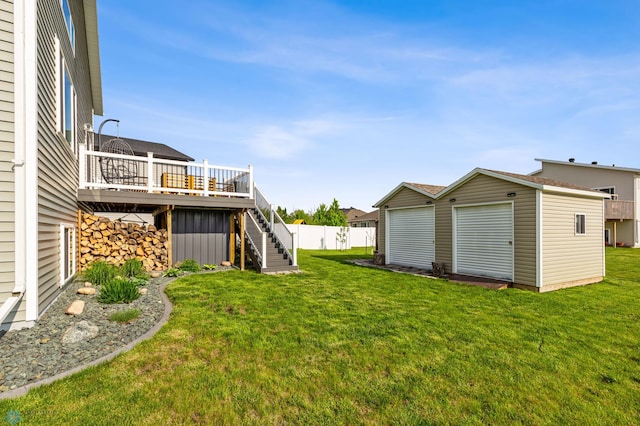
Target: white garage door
484, 241
411, 237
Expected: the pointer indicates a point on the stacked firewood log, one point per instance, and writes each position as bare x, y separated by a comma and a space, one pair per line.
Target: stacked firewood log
116, 242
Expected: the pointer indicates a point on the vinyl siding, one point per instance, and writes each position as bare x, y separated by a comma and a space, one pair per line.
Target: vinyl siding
592, 177
7, 139
57, 163
485, 189
404, 198
202, 235
568, 257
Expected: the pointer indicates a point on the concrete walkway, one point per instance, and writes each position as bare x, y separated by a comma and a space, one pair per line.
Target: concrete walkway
456, 278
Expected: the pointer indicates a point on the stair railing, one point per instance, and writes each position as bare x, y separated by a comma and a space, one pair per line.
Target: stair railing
257, 239
277, 226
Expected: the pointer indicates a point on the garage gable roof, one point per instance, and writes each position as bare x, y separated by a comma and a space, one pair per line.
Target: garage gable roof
543, 184
428, 190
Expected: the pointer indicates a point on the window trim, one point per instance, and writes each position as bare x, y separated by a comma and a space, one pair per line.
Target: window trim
68, 250
68, 20
64, 88
580, 226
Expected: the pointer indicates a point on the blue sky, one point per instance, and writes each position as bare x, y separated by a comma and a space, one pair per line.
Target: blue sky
346, 99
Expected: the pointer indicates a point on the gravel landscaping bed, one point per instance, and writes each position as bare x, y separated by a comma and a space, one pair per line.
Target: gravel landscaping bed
36, 353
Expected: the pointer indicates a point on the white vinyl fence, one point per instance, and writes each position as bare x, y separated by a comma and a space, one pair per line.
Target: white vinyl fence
315, 237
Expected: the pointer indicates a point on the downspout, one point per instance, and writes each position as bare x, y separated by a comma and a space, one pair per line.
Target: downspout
22, 27
25, 163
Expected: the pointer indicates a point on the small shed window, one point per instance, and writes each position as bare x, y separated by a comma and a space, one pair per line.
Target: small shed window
581, 221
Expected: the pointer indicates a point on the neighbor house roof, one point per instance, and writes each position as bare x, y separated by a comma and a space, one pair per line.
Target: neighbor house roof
93, 51
141, 148
352, 212
428, 190
365, 217
591, 165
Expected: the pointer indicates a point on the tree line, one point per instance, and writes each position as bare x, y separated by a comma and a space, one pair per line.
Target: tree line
323, 215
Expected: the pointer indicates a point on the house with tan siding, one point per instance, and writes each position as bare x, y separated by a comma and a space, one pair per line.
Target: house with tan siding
535, 233
622, 211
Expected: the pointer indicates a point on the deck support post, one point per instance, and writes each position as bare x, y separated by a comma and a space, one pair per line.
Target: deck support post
169, 238
232, 238
242, 245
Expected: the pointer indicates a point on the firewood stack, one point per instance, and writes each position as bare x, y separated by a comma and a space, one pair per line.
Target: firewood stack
116, 242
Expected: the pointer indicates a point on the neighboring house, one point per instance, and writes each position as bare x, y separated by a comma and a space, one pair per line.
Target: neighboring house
622, 211
351, 213
536, 233
51, 170
50, 86
367, 220
142, 148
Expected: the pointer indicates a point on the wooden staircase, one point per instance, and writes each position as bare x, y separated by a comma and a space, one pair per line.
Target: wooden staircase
276, 258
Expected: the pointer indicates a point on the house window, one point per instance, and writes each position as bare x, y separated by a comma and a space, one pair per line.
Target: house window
68, 19
581, 221
66, 110
607, 189
67, 252
69, 106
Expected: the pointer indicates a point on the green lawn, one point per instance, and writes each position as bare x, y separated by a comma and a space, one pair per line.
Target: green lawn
342, 344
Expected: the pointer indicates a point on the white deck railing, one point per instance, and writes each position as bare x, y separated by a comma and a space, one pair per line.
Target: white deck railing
277, 225
102, 170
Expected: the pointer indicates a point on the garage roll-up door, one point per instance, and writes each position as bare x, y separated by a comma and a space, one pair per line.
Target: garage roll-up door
484, 241
411, 237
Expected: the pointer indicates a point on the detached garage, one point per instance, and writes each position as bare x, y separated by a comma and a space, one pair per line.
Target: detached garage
535, 233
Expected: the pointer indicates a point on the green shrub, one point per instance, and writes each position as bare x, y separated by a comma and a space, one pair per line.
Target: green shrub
209, 266
172, 272
133, 268
118, 291
125, 316
100, 273
190, 265
139, 281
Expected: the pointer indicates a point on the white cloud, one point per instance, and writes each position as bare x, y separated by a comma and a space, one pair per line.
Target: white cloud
284, 142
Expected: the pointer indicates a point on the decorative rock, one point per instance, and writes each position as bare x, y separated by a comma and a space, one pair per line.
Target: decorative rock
88, 284
142, 291
84, 330
75, 308
156, 274
225, 263
45, 340
87, 291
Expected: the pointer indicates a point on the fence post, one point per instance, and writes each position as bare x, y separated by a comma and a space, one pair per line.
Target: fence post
264, 250
150, 171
